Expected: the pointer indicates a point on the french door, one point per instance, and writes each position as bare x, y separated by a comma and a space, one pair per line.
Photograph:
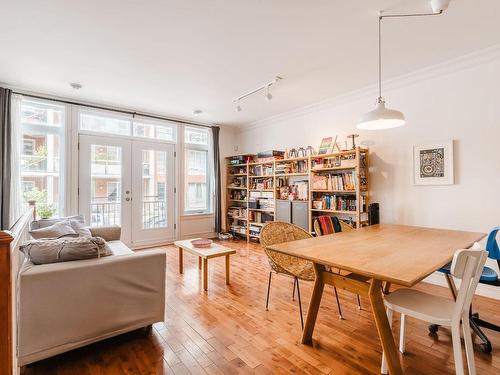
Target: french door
128, 183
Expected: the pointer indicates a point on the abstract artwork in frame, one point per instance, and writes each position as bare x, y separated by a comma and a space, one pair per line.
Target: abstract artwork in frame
433, 163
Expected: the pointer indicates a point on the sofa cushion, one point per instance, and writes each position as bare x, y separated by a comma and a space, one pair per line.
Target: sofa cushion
55, 230
43, 223
118, 248
64, 250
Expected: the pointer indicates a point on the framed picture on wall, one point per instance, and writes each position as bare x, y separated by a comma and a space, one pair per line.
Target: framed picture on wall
433, 163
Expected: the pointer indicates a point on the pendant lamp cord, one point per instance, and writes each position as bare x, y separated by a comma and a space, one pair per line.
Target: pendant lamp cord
380, 41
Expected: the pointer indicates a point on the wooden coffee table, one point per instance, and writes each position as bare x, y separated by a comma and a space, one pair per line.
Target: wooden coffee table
204, 254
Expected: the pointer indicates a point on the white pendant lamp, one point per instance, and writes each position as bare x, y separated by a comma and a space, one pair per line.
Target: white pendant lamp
382, 117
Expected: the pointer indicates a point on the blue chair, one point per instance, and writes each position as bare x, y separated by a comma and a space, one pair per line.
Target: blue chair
490, 277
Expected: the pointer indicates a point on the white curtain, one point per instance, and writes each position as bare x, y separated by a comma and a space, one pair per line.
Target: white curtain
16, 199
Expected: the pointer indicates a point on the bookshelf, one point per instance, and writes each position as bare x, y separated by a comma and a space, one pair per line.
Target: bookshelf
333, 184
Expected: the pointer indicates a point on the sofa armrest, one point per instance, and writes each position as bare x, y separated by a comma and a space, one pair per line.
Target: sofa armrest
112, 233
66, 305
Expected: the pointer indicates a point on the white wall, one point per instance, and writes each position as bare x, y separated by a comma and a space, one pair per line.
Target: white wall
458, 100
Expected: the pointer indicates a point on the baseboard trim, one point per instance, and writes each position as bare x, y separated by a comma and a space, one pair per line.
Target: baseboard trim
437, 278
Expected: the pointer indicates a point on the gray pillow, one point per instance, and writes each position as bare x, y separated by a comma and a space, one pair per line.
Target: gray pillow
65, 250
61, 228
80, 228
43, 223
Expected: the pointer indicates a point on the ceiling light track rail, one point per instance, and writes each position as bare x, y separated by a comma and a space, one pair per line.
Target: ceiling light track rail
265, 87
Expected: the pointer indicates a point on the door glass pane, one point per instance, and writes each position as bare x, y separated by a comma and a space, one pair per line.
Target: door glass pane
166, 131
106, 179
154, 192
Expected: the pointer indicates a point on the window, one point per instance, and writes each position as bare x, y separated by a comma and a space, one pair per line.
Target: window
161, 130
100, 121
28, 146
104, 122
43, 129
197, 183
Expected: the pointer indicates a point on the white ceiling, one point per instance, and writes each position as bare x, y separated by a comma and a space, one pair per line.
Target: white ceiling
171, 57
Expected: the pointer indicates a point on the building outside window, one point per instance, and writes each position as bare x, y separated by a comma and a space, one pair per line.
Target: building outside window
43, 129
197, 187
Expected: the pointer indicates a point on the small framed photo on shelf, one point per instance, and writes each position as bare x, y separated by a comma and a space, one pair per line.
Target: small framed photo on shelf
433, 163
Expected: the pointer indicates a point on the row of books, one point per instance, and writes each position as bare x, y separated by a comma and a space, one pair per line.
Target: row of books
260, 217
299, 166
262, 183
334, 203
239, 195
335, 181
237, 212
261, 170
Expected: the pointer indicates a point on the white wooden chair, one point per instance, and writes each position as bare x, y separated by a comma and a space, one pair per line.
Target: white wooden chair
467, 265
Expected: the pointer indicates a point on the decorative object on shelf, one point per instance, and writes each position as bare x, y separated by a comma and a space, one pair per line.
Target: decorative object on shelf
310, 151
293, 153
353, 137
326, 145
301, 152
382, 117
433, 163
202, 243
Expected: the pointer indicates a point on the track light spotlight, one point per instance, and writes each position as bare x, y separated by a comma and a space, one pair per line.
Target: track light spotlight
268, 95
238, 107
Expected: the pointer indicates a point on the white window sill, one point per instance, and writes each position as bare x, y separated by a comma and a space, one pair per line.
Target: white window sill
195, 215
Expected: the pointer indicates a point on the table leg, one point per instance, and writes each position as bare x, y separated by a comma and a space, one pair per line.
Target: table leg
181, 265
386, 288
312, 312
205, 274
227, 269
383, 328
199, 263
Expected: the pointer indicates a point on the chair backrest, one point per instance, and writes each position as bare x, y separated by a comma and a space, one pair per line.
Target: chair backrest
467, 265
492, 244
317, 228
326, 224
279, 232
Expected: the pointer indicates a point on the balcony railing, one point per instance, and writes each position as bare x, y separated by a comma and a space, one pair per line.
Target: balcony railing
154, 213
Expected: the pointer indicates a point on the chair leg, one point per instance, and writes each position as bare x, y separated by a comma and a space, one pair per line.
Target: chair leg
293, 292
359, 302
300, 305
457, 348
402, 329
383, 367
268, 289
338, 303
469, 349
486, 343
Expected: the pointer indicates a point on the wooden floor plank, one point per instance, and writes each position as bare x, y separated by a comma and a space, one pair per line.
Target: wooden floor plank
228, 330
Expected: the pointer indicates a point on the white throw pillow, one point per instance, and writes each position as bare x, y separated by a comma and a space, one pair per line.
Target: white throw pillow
80, 228
56, 230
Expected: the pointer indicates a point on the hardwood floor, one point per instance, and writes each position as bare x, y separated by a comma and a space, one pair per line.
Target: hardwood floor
228, 330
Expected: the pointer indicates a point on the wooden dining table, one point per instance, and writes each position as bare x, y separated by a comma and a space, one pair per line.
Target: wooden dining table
372, 258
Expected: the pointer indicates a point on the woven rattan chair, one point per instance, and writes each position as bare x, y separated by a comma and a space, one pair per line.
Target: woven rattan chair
300, 269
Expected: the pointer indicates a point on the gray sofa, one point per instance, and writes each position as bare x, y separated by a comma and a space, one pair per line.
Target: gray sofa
63, 306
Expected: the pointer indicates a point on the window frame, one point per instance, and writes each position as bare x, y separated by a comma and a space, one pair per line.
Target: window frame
63, 133
209, 169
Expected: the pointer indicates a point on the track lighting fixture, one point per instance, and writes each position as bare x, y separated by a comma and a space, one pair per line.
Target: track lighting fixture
268, 96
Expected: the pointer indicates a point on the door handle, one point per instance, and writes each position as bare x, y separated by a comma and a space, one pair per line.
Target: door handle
128, 199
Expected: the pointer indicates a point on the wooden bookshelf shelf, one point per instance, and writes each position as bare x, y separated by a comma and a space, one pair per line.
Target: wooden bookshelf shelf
257, 224
334, 211
335, 191
352, 172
